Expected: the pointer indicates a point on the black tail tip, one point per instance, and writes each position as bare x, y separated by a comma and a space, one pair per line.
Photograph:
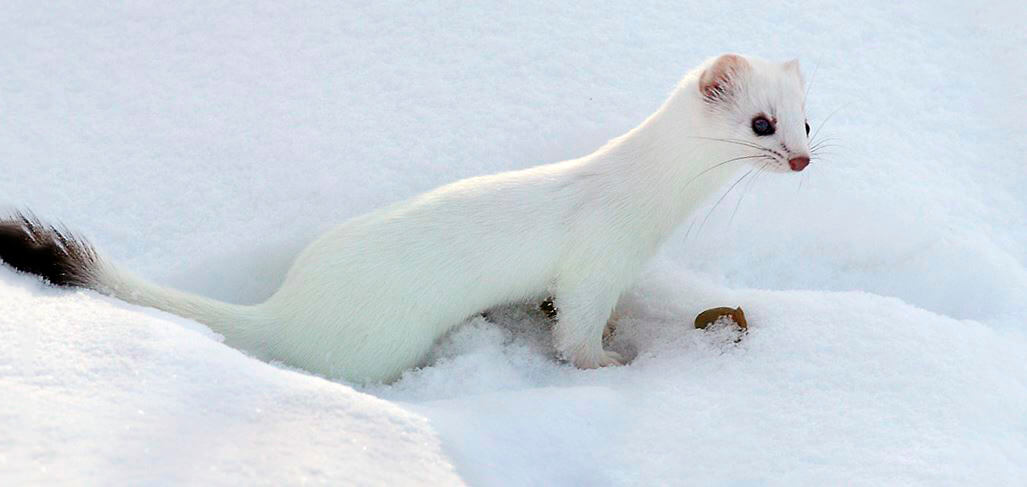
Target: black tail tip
56, 255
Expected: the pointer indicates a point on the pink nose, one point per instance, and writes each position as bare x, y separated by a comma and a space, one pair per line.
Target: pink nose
798, 163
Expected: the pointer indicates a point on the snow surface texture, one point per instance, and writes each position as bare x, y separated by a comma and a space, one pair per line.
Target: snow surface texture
202, 145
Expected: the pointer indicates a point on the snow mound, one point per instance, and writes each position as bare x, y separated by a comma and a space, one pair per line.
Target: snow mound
825, 389
97, 392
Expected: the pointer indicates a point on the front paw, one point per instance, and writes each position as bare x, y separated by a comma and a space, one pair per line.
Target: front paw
604, 358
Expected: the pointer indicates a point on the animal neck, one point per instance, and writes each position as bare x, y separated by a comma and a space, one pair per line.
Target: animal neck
663, 169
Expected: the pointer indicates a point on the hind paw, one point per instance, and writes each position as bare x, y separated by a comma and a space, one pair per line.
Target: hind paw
604, 358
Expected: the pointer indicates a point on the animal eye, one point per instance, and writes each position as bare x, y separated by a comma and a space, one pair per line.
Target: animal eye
807, 129
761, 126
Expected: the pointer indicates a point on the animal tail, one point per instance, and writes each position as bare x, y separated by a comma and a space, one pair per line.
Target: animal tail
67, 260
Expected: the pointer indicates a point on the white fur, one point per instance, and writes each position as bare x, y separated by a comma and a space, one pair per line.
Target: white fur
369, 298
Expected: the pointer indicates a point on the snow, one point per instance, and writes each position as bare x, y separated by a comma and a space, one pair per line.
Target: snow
96, 391
203, 144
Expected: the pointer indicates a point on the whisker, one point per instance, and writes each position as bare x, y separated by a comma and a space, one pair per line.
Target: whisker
733, 141
715, 205
812, 78
817, 131
689, 231
745, 191
720, 164
823, 140
822, 150
697, 176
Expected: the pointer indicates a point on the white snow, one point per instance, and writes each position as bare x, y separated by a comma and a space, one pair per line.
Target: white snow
100, 392
202, 145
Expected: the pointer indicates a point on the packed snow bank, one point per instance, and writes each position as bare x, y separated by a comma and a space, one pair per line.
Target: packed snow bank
826, 389
96, 392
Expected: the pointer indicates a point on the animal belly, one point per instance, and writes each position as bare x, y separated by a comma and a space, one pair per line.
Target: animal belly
369, 323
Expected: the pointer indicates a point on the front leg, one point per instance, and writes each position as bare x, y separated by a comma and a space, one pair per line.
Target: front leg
578, 335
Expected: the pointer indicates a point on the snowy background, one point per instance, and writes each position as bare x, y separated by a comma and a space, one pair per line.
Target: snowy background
202, 144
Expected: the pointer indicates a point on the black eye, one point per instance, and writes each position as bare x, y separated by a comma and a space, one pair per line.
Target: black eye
807, 129
761, 126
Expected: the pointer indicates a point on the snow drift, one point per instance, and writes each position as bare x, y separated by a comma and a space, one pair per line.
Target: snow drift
203, 145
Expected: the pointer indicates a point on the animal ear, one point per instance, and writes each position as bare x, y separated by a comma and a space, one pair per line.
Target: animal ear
793, 67
716, 82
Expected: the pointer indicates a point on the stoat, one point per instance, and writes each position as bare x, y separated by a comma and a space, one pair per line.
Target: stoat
368, 299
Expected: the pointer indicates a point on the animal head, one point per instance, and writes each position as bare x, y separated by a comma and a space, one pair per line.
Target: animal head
759, 106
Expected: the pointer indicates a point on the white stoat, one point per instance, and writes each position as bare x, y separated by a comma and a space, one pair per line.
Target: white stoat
367, 300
